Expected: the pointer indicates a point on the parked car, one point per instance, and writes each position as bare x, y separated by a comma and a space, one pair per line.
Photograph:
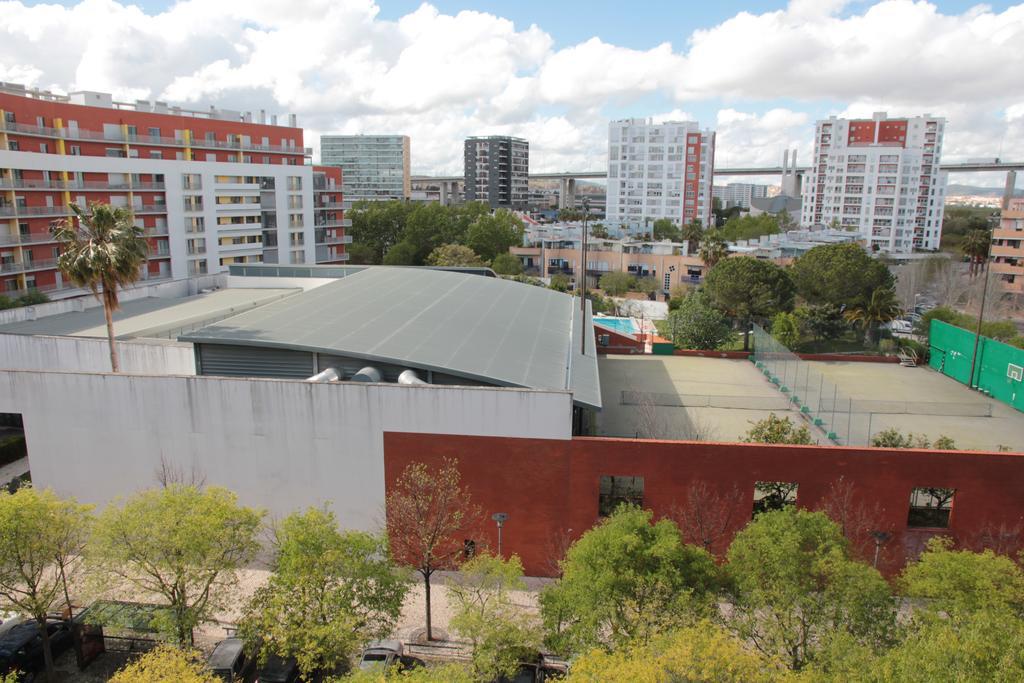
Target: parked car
229, 661
384, 654
278, 670
902, 326
21, 647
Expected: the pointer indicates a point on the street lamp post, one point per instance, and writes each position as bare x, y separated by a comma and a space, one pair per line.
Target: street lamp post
583, 278
500, 518
881, 537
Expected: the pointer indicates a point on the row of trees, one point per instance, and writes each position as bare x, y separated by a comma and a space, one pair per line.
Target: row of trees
799, 606
406, 234
839, 286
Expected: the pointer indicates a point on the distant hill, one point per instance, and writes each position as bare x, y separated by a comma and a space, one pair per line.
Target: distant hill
956, 189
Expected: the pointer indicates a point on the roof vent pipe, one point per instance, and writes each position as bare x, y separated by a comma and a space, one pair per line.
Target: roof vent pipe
367, 374
328, 375
410, 377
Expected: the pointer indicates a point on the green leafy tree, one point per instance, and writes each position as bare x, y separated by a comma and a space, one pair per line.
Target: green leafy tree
429, 515
507, 264
616, 283
824, 321
665, 229
961, 583
102, 249
559, 282
713, 249
501, 633
599, 231
442, 673
1001, 330
493, 235
694, 324
839, 274
330, 592
178, 544
568, 215
786, 328
775, 429
749, 227
626, 580
794, 587
41, 538
748, 288
647, 285
880, 307
376, 228
894, 438
401, 254
987, 646
452, 255
703, 652
166, 664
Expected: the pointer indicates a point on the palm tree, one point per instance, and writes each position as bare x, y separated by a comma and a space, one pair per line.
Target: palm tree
713, 249
881, 307
693, 232
101, 249
975, 246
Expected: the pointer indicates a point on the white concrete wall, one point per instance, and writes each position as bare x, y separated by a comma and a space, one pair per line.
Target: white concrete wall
280, 444
84, 354
167, 289
251, 282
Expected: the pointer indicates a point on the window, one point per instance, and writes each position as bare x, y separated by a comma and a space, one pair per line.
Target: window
13, 145
154, 132
153, 154
616, 491
930, 508
773, 495
76, 150
44, 148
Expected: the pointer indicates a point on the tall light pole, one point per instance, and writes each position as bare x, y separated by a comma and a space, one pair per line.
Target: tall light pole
981, 318
583, 280
500, 518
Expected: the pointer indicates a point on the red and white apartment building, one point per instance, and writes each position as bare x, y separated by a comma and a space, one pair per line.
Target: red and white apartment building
211, 188
659, 170
880, 177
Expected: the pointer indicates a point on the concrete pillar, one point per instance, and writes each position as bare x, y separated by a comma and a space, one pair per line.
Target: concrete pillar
570, 199
1011, 184
444, 193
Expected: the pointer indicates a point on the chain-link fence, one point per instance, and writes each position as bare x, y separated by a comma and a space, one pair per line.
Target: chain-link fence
845, 420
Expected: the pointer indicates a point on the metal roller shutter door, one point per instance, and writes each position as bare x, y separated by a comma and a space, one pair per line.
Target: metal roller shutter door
251, 361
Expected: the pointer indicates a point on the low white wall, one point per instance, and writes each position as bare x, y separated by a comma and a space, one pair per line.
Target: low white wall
282, 445
86, 354
269, 282
167, 289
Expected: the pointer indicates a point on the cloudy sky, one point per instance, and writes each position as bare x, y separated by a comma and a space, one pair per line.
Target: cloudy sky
552, 71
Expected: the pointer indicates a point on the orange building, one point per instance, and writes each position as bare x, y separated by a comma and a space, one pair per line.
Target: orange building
1008, 248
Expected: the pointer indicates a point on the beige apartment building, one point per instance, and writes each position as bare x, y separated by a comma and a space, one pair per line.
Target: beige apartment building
667, 262
1008, 248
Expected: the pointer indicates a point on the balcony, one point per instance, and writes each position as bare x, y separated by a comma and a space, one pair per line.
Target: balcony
28, 266
149, 140
344, 239
149, 208
31, 238
73, 185
245, 246
329, 205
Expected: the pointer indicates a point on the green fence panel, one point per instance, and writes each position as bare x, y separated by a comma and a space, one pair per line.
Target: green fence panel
999, 368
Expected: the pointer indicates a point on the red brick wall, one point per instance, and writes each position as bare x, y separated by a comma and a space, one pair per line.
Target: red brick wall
549, 487
617, 342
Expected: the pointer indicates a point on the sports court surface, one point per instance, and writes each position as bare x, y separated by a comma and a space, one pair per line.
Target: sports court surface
680, 397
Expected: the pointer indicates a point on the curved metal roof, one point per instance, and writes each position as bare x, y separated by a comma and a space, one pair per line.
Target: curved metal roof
488, 329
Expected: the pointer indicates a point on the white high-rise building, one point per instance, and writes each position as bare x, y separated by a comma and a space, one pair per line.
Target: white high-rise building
738, 194
881, 177
659, 170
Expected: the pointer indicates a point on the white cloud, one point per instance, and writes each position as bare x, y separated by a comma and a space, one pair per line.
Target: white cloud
440, 77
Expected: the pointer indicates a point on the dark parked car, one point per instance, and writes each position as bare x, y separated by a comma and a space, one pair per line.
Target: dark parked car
21, 648
384, 654
278, 670
230, 662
